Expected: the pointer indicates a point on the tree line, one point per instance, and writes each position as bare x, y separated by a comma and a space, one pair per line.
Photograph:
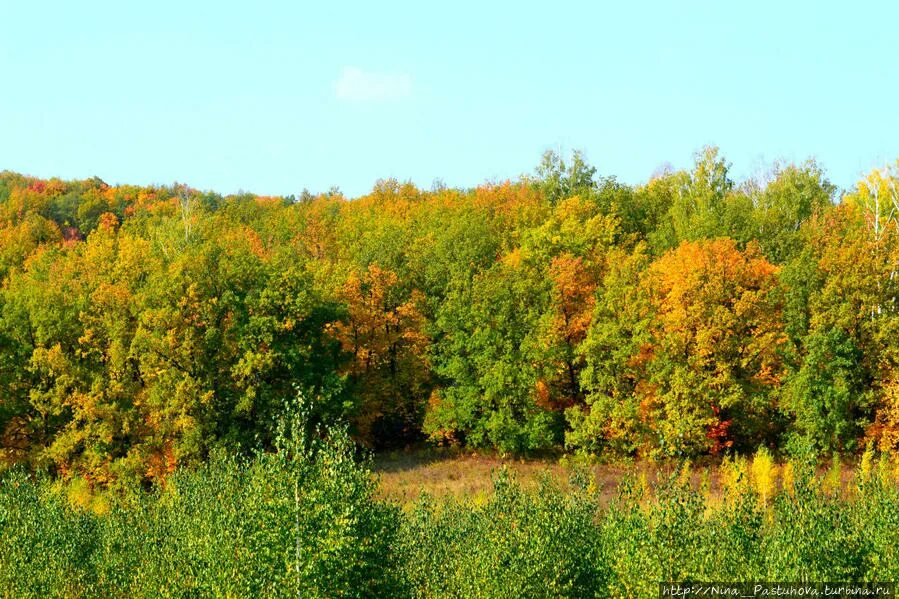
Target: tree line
143, 327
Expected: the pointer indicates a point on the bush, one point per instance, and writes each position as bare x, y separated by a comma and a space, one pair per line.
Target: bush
277, 525
518, 544
304, 521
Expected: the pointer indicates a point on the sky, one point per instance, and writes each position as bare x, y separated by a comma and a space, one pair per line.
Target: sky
275, 97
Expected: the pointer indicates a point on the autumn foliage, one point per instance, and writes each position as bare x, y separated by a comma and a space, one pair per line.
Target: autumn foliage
142, 328
713, 354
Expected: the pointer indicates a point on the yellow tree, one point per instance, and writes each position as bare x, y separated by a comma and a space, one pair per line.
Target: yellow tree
877, 196
570, 250
713, 357
384, 333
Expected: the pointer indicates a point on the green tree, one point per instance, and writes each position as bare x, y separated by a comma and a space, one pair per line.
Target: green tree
490, 394
793, 196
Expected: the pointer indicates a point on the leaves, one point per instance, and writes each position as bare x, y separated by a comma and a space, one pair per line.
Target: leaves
141, 327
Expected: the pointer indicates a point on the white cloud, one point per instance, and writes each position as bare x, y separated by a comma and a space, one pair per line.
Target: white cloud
356, 85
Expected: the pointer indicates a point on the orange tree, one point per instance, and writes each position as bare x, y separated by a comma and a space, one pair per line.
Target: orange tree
701, 327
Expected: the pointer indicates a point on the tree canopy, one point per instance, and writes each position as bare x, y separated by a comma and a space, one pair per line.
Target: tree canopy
142, 327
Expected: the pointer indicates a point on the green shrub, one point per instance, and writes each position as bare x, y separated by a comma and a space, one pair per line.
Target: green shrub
518, 544
277, 525
305, 522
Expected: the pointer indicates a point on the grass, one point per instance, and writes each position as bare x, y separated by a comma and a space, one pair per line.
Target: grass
403, 476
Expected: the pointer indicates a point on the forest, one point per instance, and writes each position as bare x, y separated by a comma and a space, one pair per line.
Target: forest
143, 327
206, 368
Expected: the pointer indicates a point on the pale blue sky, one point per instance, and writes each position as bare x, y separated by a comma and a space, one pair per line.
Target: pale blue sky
273, 97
